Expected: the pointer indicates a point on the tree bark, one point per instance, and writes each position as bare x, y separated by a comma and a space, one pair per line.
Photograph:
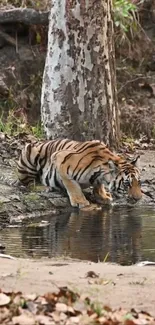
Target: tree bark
79, 84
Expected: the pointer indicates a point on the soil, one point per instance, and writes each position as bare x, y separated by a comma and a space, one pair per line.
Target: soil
116, 286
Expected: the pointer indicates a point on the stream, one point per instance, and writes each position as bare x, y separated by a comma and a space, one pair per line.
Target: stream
121, 234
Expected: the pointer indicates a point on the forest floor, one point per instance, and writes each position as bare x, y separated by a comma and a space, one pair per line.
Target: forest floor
111, 285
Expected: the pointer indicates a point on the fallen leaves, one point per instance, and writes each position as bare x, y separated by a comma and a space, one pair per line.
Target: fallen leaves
65, 307
4, 299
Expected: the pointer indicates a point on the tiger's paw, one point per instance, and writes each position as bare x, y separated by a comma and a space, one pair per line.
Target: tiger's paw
101, 195
81, 204
91, 207
108, 196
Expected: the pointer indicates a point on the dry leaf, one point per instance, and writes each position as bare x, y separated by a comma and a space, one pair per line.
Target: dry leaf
56, 316
4, 299
63, 317
32, 296
23, 320
101, 281
80, 306
77, 310
44, 320
75, 319
61, 307
4, 313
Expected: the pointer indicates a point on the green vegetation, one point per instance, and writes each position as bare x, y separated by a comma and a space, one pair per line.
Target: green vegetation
106, 257
13, 125
15, 112
37, 131
97, 308
125, 18
32, 197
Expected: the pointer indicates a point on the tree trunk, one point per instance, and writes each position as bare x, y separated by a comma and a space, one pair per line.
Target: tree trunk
79, 84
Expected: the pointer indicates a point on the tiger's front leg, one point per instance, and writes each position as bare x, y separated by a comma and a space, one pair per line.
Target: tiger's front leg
101, 193
76, 196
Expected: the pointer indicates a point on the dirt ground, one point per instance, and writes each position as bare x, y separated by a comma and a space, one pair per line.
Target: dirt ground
117, 286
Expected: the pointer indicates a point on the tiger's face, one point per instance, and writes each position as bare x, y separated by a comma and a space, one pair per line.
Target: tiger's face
127, 180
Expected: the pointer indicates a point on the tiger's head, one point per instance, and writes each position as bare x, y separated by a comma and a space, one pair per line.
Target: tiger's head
127, 179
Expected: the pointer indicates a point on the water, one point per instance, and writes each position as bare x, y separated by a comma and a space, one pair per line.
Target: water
124, 235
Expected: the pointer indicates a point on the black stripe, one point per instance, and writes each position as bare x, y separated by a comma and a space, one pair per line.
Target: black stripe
77, 176
50, 172
113, 188
36, 159
25, 165
80, 145
74, 176
67, 157
41, 145
94, 158
26, 180
81, 151
57, 184
70, 145
94, 177
57, 144
87, 166
24, 172
47, 180
28, 156
84, 146
42, 161
40, 172
64, 144
119, 184
68, 169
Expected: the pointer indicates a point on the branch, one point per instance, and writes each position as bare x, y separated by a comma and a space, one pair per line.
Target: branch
24, 15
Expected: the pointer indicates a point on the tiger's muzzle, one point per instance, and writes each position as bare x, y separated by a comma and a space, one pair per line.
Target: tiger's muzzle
134, 191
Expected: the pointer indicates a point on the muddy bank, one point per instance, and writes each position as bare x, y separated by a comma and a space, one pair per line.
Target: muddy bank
17, 203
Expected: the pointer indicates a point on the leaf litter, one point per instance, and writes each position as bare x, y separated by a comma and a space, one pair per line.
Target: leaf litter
64, 307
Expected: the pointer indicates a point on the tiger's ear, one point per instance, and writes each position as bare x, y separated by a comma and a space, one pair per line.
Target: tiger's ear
136, 162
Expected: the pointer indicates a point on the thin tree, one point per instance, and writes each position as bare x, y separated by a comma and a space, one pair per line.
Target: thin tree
79, 83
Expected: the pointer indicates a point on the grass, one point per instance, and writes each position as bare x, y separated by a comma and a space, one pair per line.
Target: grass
12, 126
126, 20
97, 308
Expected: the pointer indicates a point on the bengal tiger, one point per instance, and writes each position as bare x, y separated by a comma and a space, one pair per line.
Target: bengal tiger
72, 165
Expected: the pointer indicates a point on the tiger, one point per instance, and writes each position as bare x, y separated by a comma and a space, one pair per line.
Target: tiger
71, 166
